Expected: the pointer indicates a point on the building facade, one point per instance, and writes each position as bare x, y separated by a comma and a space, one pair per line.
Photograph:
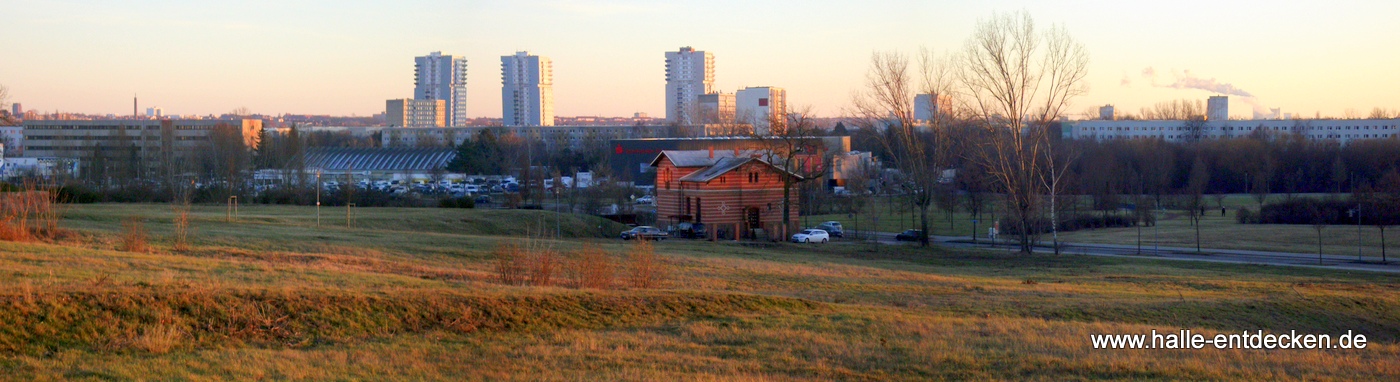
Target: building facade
13, 139
1341, 130
761, 107
415, 113
168, 146
443, 77
735, 193
552, 137
716, 108
689, 74
527, 90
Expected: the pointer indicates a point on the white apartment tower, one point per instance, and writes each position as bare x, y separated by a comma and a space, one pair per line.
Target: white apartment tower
443, 77
689, 74
1218, 108
527, 90
760, 107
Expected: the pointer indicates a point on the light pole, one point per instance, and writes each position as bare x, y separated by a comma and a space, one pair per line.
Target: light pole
318, 197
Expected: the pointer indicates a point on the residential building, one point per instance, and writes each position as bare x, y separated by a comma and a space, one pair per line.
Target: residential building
155, 112
689, 74
1218, 108
761, 107
415, 113
13, 139
17, 110
735, 193
716, 108
527, 90
443, 77
1106, 113
928, 105
1341, 130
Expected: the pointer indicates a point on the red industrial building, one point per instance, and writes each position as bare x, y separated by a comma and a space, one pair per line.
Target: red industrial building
736, 194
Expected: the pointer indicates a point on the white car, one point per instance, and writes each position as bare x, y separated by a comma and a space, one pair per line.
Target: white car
646, 200
811, 236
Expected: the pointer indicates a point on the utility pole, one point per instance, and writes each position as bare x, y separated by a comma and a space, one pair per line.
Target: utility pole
318, 198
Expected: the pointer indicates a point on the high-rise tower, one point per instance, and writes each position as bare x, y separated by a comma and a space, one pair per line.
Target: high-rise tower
689, 74
443, 77
527, 90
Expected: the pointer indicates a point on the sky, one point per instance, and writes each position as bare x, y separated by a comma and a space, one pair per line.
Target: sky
346, 57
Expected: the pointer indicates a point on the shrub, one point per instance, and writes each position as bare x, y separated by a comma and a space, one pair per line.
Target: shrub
182, 227
510, 263
1301, 211
462, 202
590, 267
644, 268
543, 264
1246, 216
133, 237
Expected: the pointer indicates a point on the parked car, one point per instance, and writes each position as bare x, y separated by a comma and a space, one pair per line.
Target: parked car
645, 232
909, 235
833, 228
646, 200
811, 235
689, 230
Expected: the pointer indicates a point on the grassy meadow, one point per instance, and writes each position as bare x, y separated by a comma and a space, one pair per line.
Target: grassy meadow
414, 294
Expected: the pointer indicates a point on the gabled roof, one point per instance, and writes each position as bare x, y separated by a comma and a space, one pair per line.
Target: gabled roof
721, 163
698, 158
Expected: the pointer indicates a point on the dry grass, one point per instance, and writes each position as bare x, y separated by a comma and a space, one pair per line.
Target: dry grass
294, 302
134, 236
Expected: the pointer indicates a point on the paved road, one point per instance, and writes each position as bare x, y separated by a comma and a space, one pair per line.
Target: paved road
1169, 253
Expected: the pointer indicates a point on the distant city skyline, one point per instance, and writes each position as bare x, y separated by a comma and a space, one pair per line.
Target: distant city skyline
346, 58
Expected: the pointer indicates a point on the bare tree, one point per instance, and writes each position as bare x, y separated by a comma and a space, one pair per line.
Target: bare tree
792, 143
918, 151
1018, 81
1195, 195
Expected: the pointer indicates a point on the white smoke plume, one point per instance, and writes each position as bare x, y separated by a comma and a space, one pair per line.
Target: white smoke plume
1184, 80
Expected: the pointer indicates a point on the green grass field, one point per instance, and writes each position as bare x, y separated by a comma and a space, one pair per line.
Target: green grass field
1174, 229
413, 294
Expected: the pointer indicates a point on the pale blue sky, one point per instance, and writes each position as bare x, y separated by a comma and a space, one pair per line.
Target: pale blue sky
347, 57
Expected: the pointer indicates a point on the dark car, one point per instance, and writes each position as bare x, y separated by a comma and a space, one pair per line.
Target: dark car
909, 235
689, 230
645, 232
833, 227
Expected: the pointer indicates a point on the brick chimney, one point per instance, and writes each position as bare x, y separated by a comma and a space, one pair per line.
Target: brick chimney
712, 152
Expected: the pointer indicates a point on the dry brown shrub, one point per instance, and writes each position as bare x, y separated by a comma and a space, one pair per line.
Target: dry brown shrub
510, 263
29, 214
590, 267
133, 237
182, 227
644, 268
543, 263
